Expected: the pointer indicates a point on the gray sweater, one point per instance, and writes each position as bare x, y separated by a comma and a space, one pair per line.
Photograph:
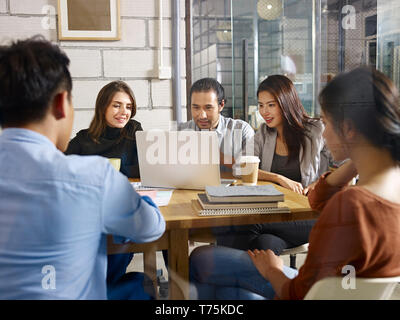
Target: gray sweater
314, 160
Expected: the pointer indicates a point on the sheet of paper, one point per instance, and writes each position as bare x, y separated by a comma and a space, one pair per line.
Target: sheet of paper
160, 197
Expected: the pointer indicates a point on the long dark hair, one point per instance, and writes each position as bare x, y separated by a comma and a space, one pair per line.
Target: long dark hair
104, 98
370, 101
294, 115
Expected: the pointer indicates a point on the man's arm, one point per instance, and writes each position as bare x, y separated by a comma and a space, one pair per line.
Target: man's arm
125, 213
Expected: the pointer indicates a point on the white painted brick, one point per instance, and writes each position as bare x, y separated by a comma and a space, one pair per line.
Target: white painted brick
140, 89
84, 93
32, 7
154, 119
82, 119
157, 118
167, 33
148, 8
140, 8
132, 35
84, 63
154, 33
140, 63
161, 92
13, 28
3, 6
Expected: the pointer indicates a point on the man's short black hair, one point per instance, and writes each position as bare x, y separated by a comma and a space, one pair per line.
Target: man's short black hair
208, 84
32, 72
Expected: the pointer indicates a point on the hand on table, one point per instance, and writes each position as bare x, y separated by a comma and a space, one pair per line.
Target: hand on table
290, 184
309, 187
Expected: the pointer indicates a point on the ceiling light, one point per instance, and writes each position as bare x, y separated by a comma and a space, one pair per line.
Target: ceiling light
269, 9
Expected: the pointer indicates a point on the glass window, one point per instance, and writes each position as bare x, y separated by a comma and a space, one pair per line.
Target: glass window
310, 41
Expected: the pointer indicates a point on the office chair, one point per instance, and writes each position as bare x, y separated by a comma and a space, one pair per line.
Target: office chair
293, 251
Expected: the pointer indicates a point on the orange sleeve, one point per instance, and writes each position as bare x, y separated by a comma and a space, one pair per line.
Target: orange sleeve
335, 241
321, 193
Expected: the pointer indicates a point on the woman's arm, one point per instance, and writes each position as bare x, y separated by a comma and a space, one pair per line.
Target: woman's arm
342, 175
281, 180
329, 184
270, 267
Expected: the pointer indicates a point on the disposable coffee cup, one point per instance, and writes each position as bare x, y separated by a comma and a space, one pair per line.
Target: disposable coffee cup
249, 170
115, 162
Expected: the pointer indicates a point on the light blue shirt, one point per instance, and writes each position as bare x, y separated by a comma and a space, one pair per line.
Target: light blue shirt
235, 137
55, 212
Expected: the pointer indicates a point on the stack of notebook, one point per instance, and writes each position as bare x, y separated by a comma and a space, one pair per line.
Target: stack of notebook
239, 200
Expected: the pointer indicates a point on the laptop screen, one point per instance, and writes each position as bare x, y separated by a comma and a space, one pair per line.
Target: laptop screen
178, 159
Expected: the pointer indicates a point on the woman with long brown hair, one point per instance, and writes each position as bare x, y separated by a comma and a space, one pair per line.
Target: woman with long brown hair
292, 153
111, 133
289, 143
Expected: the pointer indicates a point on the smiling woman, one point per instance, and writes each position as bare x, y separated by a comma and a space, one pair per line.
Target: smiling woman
292, 153
111, 133
119, 111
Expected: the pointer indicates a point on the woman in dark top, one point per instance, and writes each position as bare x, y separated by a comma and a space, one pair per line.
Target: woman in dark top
111, 133
292, 153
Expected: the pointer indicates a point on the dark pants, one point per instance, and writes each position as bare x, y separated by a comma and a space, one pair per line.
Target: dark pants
126, 286
275, 236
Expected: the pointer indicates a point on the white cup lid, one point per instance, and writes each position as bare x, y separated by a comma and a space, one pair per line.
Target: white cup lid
249, 159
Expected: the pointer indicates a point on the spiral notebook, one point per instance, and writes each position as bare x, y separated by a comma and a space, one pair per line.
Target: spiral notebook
234, 211
206, 204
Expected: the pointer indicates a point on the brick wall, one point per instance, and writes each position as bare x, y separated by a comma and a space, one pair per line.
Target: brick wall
133, 59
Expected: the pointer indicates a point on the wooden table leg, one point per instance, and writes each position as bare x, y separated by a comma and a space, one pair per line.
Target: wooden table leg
178, 264
150, 267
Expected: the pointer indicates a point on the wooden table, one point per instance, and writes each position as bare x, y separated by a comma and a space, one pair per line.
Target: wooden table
181, 219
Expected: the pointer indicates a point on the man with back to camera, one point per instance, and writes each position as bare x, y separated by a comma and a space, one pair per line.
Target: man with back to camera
207, 100
56, 210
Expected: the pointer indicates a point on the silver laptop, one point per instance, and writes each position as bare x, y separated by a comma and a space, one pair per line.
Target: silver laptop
179, 159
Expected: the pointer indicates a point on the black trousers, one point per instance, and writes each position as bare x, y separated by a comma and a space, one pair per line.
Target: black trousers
275, 236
